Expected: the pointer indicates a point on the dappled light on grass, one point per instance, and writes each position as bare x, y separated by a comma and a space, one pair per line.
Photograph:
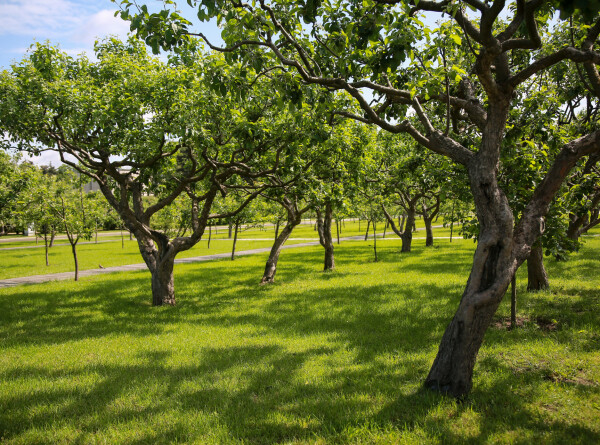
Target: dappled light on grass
314, 358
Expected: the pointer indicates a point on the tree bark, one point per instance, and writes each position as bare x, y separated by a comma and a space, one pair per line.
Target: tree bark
209, 236
271, 266
537, 278
234, 241
428, 231
325, 238
74, 250
367, 232
160, 262
407, 233
230, 230
277, 229
493, 267
337, 230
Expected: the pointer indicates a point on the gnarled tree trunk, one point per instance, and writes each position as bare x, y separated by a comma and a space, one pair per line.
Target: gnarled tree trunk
160, 262
537, 278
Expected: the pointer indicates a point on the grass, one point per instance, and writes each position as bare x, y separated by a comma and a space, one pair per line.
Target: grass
316, 358
109, 251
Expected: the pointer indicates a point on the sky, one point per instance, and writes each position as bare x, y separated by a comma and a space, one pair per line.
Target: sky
72, 24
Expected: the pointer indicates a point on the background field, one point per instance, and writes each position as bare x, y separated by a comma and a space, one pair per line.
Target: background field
316, 358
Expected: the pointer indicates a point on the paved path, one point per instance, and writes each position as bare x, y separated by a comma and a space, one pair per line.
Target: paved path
35, 279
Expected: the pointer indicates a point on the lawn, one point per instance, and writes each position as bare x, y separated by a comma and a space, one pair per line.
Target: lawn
315, 358
111, 251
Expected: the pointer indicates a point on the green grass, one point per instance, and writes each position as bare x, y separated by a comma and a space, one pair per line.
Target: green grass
315, 358
31, 261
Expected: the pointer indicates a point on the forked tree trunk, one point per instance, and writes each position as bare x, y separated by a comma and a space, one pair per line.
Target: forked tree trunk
271, 266
537, 278
428, 231
160, 262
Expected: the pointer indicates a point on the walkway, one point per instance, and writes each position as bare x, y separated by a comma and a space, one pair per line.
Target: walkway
36, 279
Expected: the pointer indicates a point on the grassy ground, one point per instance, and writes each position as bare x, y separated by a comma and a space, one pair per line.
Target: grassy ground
316, 358
109, 251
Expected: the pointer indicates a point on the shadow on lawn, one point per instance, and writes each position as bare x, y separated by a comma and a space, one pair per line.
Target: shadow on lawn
268, 402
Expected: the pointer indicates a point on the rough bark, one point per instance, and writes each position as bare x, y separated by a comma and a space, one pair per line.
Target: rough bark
494, 264
325, 238
537, 278
160, 262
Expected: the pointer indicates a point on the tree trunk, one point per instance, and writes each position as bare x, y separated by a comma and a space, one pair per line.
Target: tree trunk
160, 262
375, 239
52, 236
209, 236
407, 233
46, 246
325, 238
429, 232
385, 226
122, 239
277, 230
230, 230
271, 266
367, 233
337, 230
234, 241
493, 267
537, 278
74, 250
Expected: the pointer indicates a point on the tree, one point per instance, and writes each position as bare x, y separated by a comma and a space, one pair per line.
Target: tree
73, 211
483, 63
138, 126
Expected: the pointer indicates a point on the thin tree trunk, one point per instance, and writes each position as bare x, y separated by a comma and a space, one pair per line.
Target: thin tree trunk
367, 233
52, 236
452, 220
234, 241
385, 226
537, 278
277, 229
46, 246
271, 266
230, 230
337, 229
74, 250
375, 239
209, 236
513, 301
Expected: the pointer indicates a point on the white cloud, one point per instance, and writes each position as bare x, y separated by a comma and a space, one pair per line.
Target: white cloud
40, 19
98, 25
